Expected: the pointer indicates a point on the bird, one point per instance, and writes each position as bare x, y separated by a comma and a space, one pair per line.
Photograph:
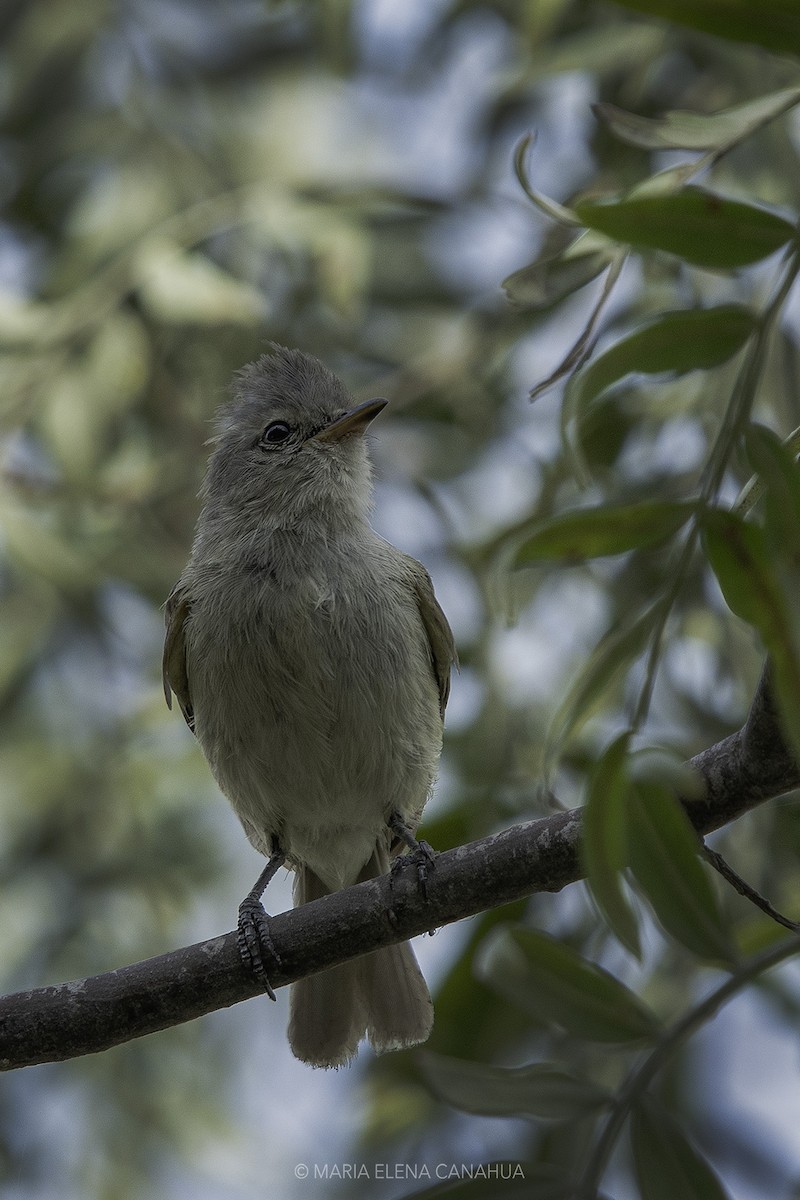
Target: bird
312, 660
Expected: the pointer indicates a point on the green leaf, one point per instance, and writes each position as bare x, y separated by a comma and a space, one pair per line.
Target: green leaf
539, 1090
27, 619
612, 655
691, 340
605, 842
552, 983
696, 225
681, 130
740, 559
664, 858
551, 279
514, 1180
778, 470
760, 589
551, 208
671, 179
606, 529
188, 288
468, 1013
34, 546
771, 23
667, 1164
582, 347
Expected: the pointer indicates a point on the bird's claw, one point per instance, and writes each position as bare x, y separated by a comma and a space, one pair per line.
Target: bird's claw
424, 857
253, 938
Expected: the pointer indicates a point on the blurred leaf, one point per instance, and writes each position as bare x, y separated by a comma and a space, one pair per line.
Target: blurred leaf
539, 1090
634, 42
27, 617
740, 558
177, 286
43, 34
549, 280
514, 1180
777, 468
605, 842
35, 547
604, 428
762, 591
119, 204
671, 179
681, 130
469, 1019
89, 394
696, 225
772, 24
663, 849
24, 322
606, 529
690, 340
553, 983
613, 654
343, 267
582, 347
550, 208
667, 1164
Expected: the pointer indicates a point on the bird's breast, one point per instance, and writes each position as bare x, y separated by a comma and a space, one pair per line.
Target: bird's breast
314, 698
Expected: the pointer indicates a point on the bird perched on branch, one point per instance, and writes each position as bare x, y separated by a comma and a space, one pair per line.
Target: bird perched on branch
312, 660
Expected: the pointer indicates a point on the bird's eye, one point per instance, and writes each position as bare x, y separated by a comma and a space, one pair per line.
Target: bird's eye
275, 433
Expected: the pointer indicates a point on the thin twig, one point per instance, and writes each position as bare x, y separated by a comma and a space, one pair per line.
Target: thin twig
744, 889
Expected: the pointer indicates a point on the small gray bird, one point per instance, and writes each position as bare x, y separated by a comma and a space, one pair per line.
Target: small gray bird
312, 660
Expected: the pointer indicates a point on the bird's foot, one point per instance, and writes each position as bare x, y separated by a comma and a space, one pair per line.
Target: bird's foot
253, 939
420, 853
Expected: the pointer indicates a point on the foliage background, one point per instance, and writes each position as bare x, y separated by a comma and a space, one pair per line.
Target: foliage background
182, 182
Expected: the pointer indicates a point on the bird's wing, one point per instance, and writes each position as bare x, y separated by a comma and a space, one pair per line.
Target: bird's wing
174, 673
440, 635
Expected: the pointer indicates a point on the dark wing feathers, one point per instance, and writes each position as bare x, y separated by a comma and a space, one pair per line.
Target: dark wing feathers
440, 635
176, 679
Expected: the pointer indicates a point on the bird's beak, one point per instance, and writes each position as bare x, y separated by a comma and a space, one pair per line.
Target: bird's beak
354, 421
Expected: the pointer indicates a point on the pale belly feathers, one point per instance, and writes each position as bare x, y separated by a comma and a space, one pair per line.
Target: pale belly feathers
324, 717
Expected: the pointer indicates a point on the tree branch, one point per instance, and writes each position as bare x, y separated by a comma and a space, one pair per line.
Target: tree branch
51, 1024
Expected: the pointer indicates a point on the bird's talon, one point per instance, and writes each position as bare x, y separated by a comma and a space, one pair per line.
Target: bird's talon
252, 939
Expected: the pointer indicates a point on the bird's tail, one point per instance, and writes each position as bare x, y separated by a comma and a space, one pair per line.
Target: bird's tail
381, 996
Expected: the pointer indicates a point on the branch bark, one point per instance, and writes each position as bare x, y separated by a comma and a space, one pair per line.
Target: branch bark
51, 1024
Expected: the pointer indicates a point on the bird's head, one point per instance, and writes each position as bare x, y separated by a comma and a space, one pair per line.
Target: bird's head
289, 446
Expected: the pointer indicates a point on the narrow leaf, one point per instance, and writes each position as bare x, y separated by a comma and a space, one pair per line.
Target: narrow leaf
740, 559
664, 857
550, 208
582, 347
677, 341
187, 287
539, 1090
667, 1164
612, 655
607, 529
681, 130
552, 983
42, 550
696, 225
769, 23
671, 179
760, 589
551, 279
605, 842
777, 468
